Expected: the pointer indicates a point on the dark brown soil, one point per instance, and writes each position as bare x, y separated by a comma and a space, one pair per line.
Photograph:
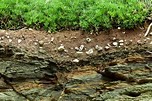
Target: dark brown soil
41, 42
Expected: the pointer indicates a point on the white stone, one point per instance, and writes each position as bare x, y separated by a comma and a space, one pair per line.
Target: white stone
7, 33
52, 39
81, 47
7, 36
75, 60
119, 27
30, 29
121, 44
41, 43
90, 51
121, 40
88, 40
98, 48
9, 40
115, 43
19, 41
123, 32
139, 42
114, 39
107, 47
35, 43
61, 48
150, 43
150, 33
76, 48
2, 37
79, 52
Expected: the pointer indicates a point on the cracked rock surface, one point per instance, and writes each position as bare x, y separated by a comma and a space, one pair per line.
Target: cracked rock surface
123, 75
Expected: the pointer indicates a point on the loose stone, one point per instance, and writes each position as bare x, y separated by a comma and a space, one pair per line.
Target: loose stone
76, 48
121, 41
81, 47
52, 39
123, 32
139, 42
98, 48
119, 27
107, 47
115, 43
90, 51
9, 40
41, 43
19, 41
75, 60
30, 29
114, 39
88, 40
61, 48
2, 37
121, 44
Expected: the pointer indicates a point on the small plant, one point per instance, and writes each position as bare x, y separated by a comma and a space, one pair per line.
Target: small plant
54, 15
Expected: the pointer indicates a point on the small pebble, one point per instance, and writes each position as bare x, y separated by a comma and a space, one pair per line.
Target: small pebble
7, 36
2, 37
119, 27
41, 43
150, 43
114, 39
115, 43
75, 60
107, 47
90, 51
19, 41
35, 43
139, 42
61, 48
88, 40
9, 40
121, 41
76, 48
98, 48
123, 32
81, 47
121, 44
52, 39
30, 29
150, 33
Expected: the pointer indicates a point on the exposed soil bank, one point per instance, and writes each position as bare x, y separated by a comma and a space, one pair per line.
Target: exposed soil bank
34, 69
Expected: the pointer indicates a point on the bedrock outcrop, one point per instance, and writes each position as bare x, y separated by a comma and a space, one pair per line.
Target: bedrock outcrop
122, 75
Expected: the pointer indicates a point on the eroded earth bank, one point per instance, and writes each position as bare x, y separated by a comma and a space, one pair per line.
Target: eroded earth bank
72, 68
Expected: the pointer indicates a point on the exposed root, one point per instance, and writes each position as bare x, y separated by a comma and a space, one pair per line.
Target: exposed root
148, 30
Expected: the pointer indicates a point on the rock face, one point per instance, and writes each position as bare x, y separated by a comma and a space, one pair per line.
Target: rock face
123, 75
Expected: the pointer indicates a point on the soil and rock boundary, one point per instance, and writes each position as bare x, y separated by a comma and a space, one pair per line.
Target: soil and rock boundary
114, 65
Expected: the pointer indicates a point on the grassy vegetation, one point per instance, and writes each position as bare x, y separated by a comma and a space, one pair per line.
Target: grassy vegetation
54, 15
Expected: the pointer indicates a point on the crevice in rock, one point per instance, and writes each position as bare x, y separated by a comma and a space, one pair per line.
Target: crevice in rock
6, 80
133, 94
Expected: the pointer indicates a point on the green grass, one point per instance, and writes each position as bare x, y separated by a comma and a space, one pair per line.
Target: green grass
54, 15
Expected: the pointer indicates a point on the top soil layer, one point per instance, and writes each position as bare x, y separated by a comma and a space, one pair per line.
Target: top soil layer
42, 43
